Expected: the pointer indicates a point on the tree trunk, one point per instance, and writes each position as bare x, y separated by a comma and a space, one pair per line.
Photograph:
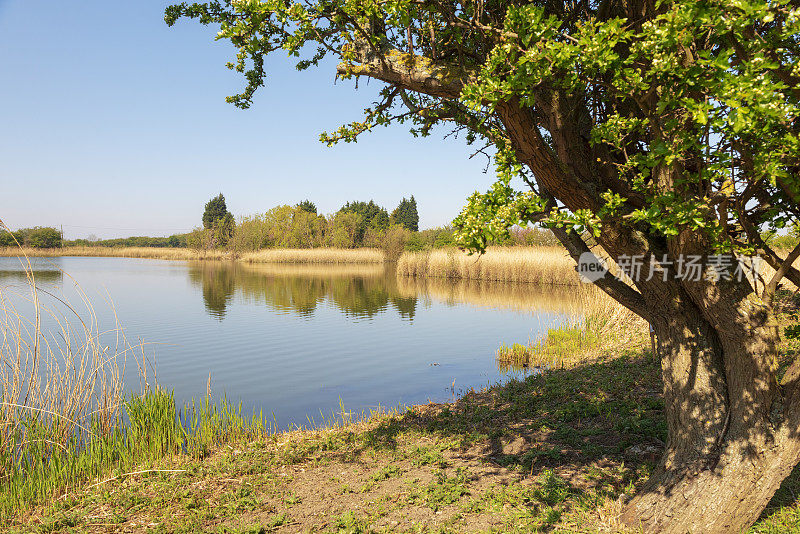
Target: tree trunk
733, 431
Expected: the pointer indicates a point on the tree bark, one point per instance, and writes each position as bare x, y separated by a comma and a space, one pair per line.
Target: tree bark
733, 431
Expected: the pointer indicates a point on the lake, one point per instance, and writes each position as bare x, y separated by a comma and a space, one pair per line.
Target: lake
298, 341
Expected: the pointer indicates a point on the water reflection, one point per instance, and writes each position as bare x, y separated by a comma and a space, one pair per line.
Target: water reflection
357, 291
44, 270
362, 291
296, 340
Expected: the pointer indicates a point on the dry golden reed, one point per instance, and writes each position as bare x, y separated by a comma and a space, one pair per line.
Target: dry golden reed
315, 255
120, 252
598, 323
540, 265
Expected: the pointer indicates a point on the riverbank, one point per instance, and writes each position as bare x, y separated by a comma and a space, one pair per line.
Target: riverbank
558, 451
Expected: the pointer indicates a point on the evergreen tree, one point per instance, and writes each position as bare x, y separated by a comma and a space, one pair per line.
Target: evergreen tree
215, 210
411, 216
308, 206
406, 214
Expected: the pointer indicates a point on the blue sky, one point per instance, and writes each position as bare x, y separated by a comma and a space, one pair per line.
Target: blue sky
113, 124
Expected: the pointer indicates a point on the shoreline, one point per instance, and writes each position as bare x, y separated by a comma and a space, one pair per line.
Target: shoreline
558, 450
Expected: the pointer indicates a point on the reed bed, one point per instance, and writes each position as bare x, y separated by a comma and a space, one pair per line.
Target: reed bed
121, 252
540, 265
601, 323
315, 255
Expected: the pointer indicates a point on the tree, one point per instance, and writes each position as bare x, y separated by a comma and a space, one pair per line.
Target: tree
36, 237
406, 214
371, 216
659, 131
308, 206
215, 211
223, 230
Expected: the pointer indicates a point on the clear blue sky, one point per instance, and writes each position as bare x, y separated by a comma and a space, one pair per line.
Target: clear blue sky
113, 124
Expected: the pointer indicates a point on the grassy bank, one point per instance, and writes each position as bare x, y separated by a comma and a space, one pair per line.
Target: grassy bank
597, 324
554, 452
542, 265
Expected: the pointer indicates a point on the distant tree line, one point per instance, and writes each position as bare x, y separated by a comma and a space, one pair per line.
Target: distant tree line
36, 237
356, 224
173, 241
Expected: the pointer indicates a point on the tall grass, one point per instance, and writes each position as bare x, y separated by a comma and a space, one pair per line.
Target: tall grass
315, 255
119, 252
66, 417
542, 265
62, 392
288, 255
600, 324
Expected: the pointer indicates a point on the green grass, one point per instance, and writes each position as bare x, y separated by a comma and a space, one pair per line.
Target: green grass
37, 468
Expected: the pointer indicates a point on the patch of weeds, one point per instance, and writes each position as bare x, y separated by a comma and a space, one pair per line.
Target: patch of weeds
387, 472
551, 489
525, 462
278, 520
442, 491
367, 487
426, 456
59, 523
349, 523
292, 499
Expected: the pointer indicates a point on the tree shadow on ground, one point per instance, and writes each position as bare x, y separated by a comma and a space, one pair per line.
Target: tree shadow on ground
599, 426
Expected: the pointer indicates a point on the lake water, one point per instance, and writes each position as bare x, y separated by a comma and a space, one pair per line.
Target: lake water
296, 341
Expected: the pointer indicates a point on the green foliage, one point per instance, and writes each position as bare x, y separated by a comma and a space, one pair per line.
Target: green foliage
394, 242
684, 119
786, 241
215, 210
370, 216
223, 229
36, 237
173, 241
405, 214
308, 206
662, 110
430, 239
280, 227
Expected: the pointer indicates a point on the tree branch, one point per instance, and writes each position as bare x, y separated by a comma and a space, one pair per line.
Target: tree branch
412, 72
